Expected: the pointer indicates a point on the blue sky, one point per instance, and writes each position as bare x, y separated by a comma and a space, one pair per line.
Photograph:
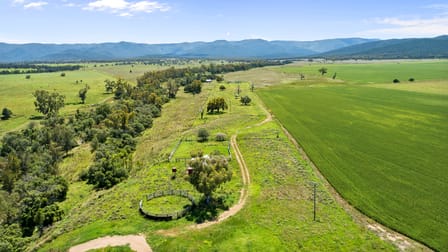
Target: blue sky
172, 21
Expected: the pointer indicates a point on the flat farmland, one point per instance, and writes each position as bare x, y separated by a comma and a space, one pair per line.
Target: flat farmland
385, 150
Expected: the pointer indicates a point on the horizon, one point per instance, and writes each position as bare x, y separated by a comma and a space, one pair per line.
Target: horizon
175, 21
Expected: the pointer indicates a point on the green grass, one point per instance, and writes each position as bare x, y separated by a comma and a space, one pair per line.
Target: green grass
376, 72
384, 150
16, 93
113, 249
278, 215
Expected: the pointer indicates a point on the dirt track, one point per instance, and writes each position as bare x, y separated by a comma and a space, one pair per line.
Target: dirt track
136, 242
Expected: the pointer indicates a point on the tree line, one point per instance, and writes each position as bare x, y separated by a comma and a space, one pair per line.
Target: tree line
12, 68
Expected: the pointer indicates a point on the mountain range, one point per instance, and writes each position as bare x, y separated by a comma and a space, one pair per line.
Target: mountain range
222, 49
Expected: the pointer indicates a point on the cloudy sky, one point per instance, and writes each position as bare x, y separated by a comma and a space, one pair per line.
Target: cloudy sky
171, 21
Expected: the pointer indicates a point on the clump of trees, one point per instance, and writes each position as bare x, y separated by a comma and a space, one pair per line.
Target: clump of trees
48, 103
217, 103
208, 173
20, 68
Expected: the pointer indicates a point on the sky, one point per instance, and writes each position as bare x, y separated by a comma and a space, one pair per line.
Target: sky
174, 21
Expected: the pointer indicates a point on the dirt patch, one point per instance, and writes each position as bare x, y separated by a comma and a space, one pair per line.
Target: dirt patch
136, 242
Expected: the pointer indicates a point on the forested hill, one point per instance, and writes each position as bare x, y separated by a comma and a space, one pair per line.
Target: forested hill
244, 49
394, 48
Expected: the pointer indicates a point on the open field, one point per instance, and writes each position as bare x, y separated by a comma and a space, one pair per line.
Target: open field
383, 147
16, 93
272, 218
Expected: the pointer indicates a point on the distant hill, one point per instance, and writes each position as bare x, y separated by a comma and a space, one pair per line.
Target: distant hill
253, 48
394, 48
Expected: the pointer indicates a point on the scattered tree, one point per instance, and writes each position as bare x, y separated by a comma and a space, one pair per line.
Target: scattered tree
208, 173
6, 113
203, 135
109, 85
83, 94
411, 79
245, 100
219, 78
222, 87
48, 103
28, 77
322, 70
220, 137
172, 88
396, 81
334, 76
62, 74
217, 104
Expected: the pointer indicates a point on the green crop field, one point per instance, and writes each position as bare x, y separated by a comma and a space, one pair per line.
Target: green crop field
383, 148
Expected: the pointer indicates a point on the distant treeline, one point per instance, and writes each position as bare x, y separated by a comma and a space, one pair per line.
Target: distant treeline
33, 68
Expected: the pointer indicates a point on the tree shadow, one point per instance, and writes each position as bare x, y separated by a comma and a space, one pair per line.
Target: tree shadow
203, 211
37, 117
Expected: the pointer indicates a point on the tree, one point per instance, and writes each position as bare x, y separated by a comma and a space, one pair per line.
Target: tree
109, 85
208, 173
6, 113
83, 94
48, 103
396, 81
172, 88
203, 135
322, 70
216, 104
222, 87
245, 100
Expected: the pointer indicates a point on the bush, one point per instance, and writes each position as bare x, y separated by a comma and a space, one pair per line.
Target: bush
62, 74
28, 77
220, 137
245, 100
203, 135
222, 87
411, 79
6, 113
396, 81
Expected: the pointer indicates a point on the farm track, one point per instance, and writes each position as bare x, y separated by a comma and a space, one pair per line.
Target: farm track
402, 242
135, 241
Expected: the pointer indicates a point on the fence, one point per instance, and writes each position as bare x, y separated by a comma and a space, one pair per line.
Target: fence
167, 216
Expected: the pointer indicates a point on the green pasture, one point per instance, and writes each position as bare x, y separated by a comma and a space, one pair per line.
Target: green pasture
375, 72
16, 93
384, 149
277, 216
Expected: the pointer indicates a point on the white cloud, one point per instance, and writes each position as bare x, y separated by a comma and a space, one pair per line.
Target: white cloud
126, 8
35, 5
418, 27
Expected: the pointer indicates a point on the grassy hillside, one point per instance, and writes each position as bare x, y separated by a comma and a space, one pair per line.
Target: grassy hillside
383, 149
277, 217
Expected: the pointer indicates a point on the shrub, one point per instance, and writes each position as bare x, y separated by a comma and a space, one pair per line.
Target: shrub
245, 100
222, 87
203, 135
6, 113
411, 79
28, 77
62, 74
396, 81
220, 137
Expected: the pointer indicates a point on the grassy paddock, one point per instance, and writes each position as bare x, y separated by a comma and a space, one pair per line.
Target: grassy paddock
16, 93
384, 150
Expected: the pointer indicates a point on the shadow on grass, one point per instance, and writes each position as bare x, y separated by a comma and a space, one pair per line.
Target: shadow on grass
37, 117
204, 211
